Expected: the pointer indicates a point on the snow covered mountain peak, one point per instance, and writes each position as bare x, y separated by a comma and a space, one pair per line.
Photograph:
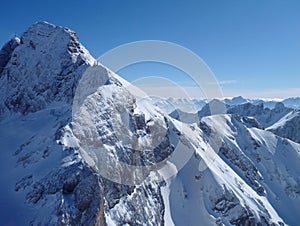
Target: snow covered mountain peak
48, 37
45, 65
72, 131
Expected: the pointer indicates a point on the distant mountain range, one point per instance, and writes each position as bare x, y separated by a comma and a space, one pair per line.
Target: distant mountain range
193, 105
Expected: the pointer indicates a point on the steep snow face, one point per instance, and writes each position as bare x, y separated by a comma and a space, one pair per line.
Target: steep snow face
223, 193
288, 126
267, 163
44, 66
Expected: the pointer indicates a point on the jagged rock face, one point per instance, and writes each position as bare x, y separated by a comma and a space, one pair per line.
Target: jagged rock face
76, 192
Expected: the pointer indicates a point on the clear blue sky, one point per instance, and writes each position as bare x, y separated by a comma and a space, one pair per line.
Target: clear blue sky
252, 46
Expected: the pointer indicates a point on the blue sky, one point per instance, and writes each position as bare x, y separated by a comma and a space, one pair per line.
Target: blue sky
253, 47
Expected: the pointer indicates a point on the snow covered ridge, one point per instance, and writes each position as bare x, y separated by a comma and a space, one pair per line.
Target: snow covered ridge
63, 163
288, 126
